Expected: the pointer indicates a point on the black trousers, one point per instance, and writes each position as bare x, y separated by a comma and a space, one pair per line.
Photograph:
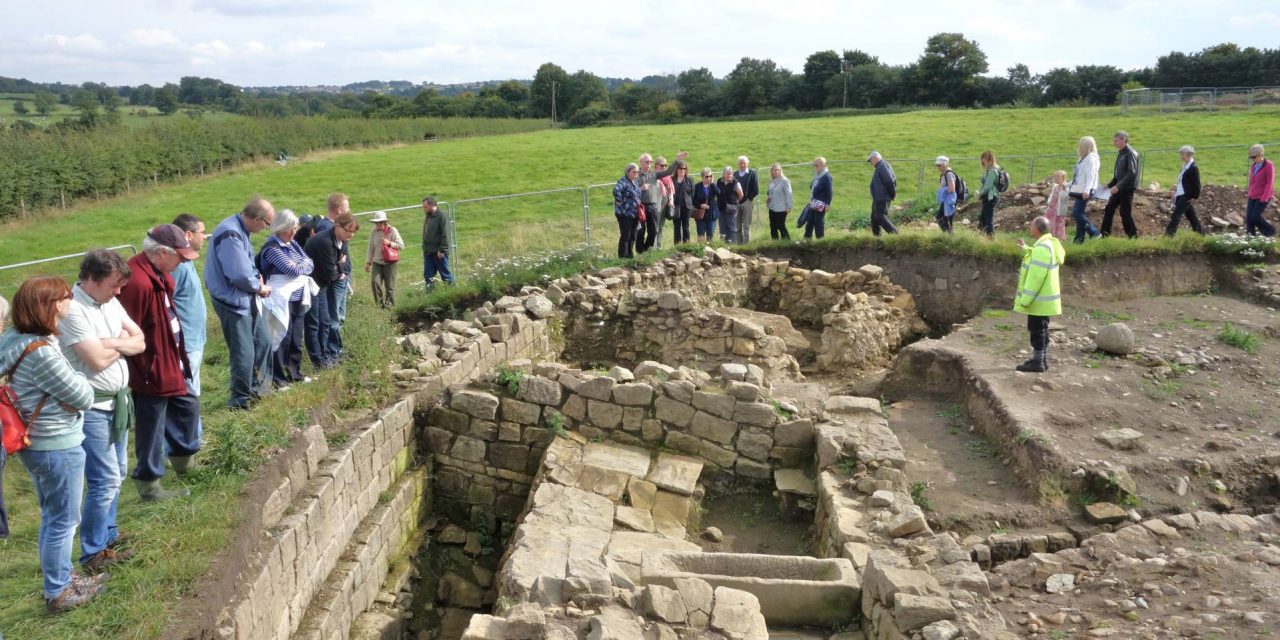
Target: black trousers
778, 225
944, 221
1038, 326
1182, 206
880, 218
286, 362
1123, 201
987, 221
647, 231
626, 236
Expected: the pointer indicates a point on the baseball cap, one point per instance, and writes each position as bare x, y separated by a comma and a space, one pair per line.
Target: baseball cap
873, 155
175, 238
941, 160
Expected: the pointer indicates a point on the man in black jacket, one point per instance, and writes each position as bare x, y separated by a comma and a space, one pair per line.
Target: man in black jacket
884, 188
1185, 190
750, 189
323, 327
1124, 181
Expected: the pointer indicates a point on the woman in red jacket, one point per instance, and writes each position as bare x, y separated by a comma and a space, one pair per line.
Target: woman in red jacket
1262, 178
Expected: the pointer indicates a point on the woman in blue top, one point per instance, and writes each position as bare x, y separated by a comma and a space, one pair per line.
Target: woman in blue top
821, 193
706, 206
626, 208
283, 258
946, 193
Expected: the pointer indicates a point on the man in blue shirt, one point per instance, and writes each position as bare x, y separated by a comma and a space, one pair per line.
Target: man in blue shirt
235, 287
188, 300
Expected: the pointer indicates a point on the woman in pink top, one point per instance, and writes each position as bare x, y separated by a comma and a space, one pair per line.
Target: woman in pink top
1262, 178
1056, 211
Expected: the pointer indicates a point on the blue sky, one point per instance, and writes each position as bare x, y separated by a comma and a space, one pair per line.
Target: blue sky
274, 42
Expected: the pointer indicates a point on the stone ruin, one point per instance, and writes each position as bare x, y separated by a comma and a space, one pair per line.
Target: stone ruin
574, 433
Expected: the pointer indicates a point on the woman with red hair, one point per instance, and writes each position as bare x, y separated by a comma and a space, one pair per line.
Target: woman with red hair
52, 398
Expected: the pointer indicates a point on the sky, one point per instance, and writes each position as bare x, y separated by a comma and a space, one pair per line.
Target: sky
314, 42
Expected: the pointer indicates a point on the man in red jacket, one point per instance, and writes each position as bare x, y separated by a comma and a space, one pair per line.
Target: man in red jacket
158, 376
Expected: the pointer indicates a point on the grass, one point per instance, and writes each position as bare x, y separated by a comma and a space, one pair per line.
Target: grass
1239, 338
547, 230
975, 449
920, 495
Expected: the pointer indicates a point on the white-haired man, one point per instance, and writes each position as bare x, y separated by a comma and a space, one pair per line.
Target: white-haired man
750, 182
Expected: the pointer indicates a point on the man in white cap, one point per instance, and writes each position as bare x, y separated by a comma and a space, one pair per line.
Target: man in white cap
884, 188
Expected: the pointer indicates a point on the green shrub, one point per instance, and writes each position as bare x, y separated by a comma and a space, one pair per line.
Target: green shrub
1238, 338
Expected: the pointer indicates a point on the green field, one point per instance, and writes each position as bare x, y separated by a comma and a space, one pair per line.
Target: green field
145, 592
132, 116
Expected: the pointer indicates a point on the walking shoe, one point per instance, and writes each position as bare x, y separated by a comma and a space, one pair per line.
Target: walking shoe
106, 558
1034, 365
75, 595
122, 540
151, 491
91, 581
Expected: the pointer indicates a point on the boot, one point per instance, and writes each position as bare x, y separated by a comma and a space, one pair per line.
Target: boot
75, 595
151, 491
184, 464
1036, 364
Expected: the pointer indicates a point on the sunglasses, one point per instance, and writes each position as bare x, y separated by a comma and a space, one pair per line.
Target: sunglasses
661, 165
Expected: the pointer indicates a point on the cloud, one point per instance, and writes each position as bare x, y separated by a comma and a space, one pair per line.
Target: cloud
83, 43
1002, 28
1262, 20
301, 46
253, 8
151, 38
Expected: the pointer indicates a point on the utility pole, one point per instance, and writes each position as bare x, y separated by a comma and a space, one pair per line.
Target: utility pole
844, 71
553, 102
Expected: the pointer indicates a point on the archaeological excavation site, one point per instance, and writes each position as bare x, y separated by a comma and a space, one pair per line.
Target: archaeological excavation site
795, 444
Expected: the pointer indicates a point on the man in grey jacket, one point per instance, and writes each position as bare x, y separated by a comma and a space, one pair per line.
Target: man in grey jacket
884, 188
1124, 181
651, 198
750, 182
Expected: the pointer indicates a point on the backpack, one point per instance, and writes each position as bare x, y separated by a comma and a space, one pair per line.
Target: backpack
962, 189
12, 427
1002, 180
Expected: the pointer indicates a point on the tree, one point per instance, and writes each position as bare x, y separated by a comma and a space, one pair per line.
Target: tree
583, 88
633, 99
166, 101
819, 68
540, 91
1061, 85
86, 102
142, 95
753, 85
44, 102
948, 68
20, 107
698, 91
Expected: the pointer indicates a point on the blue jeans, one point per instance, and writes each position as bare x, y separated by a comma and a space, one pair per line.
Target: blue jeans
105, 463
164, 424
4, 515
249, 348
331, 332
58, 477
1083, 226
433, 264
316, 327
1254, 223
341, 292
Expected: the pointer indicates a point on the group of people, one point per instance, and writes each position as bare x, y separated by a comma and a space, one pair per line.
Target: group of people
650, 193
118, 354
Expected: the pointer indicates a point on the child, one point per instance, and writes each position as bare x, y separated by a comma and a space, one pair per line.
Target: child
1057, 209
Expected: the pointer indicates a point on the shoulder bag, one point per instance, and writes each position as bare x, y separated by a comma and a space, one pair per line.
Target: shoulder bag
12, 425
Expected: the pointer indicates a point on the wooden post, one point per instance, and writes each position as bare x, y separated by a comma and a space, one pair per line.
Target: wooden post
63, 194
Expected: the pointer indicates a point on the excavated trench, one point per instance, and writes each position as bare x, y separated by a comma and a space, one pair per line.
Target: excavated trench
761, 375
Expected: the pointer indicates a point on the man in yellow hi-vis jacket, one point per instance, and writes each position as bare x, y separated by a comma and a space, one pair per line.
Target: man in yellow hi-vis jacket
1039, 292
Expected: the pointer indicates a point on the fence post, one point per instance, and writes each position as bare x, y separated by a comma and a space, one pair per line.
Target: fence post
586, 215
1031, 169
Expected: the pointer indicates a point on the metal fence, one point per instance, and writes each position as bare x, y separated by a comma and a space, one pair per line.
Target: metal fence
528, 228
1198, 98
12, 275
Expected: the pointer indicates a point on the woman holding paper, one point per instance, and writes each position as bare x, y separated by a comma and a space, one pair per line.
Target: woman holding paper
1084, 181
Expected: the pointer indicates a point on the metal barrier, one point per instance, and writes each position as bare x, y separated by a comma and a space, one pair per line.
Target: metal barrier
457, 257
32, 263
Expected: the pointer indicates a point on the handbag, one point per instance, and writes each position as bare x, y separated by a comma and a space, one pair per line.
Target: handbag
390, 253
641, 214
12, 425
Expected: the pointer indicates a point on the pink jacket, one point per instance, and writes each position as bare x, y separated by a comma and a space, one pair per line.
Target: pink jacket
1262, 181
668, 188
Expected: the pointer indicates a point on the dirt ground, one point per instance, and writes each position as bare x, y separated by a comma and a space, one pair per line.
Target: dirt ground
1206, 409
752, 523
967, 488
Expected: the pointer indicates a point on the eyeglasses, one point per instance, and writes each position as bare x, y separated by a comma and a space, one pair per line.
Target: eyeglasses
351, 229
661, 165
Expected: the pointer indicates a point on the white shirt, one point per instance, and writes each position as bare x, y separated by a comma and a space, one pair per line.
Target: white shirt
1180, 191
87, 319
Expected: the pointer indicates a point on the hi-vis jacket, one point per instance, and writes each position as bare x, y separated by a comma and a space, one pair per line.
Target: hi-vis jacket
1039, 292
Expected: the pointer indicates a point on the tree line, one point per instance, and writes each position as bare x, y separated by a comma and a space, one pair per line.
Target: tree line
55, 167
951, 71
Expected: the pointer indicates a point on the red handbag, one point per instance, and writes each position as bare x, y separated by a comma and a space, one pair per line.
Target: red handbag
640, 213
12, 426
390, 253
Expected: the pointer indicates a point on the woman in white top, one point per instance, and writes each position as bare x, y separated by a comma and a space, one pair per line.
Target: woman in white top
779, 202
1084, 180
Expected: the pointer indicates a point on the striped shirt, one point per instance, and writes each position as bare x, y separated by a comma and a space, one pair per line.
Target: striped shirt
287, 259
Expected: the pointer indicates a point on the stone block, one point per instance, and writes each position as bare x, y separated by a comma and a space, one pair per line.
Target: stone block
716, 404
508, 432
756, 414
633, 394
628, 460
678, 474
641, 493
509, 455
752, 469
755, 445
794, 481
575, 408
683, 442
600, 388
743, 391
680, 391
664, 603
520, 412
706, 425
852, 405
454, 421
468, 449
912, 612
794, 433
910, 521
605, 415
476, 404
671, 513
717, 454
1101, 513
673, 412
438, 440
1125, 439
